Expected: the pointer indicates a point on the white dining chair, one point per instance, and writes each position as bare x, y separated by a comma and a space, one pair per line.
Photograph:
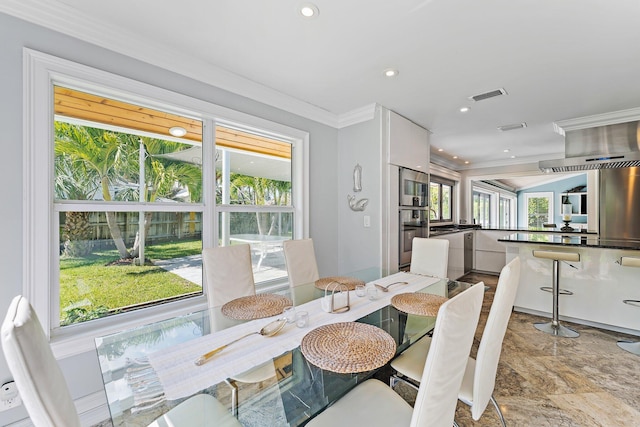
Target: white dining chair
300, 259
44, 390
373, 404
480, 373
429, 257
302, 268
229, 275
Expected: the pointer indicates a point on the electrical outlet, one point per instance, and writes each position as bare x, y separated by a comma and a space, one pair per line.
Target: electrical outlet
9, 397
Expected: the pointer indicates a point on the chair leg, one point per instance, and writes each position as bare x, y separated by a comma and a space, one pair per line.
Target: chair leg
495, 405
395, 378
234, 397
630, 346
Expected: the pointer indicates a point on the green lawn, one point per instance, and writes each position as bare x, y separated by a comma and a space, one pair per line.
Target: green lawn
93, 285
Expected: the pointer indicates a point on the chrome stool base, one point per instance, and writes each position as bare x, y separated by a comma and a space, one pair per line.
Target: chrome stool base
557, 330
630, 346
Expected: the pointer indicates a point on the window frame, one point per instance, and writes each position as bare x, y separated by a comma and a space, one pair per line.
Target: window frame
40, 235
441, 183
541, 194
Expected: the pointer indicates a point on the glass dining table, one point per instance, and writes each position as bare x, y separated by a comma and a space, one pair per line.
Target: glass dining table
137, 393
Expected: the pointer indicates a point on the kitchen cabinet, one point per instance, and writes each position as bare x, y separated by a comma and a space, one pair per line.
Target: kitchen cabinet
455, 267
490, 254
408, 144
598, 282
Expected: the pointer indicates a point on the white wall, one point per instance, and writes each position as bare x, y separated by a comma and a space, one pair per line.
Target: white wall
82, 371
359, 248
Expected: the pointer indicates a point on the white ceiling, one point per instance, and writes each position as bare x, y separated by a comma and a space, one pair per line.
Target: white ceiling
557, 59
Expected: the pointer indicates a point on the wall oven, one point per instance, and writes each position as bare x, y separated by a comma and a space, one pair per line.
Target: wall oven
413, 212
414, 188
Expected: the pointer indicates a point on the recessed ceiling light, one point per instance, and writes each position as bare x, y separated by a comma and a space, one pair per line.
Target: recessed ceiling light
466, 162
506, 150
464, 109
309, 10
513, 157
455, 157
440, 149
178, 131
390, 72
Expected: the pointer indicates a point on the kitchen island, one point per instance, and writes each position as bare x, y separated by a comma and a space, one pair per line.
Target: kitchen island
599, 282
489, 255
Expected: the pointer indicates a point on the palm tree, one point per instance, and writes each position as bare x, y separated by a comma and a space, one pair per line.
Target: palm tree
100, 152
259, 191
75, 183
111, 159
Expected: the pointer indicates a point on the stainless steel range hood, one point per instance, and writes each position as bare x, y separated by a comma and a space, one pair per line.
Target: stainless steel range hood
604, 147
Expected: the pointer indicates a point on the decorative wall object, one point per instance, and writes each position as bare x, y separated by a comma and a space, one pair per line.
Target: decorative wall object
355, 204
357, 178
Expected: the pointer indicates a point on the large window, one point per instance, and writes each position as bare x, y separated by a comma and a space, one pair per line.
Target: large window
253, 198
128, 182
539, 208
493, 205
440, 200
482, 208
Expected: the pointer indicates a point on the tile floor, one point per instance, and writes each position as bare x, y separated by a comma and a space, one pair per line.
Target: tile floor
544, 380
549, 381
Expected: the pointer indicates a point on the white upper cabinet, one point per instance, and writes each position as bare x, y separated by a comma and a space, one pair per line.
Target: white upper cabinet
408, 144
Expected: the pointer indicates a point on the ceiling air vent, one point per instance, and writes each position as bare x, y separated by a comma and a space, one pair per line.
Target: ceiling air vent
487, 95
512, 127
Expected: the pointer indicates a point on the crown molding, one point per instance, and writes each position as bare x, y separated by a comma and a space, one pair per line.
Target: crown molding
60, 17
359, 115
596, 120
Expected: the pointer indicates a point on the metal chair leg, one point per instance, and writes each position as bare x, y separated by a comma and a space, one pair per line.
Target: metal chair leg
395, 378
234, 396
630, 346
495, 405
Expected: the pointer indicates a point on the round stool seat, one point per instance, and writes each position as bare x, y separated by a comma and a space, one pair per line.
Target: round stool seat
558, 256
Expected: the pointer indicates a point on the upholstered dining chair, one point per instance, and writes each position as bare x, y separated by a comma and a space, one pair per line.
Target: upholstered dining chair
430, 257
480, 374
229, 275
372, 403
45, 393
300, 259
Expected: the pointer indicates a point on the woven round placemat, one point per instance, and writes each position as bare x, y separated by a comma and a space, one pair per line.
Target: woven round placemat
348, 347
349, 282
255, 306
418, 303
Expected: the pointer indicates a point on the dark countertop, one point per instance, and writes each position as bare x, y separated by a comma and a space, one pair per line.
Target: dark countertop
580, 239
448, 229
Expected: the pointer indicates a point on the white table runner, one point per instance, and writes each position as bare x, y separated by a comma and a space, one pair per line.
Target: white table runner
180, 377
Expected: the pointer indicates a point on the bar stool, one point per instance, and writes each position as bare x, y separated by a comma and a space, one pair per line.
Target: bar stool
630, 346
554, 327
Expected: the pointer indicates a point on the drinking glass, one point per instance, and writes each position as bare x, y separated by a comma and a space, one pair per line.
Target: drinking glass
302, 319
289, 313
